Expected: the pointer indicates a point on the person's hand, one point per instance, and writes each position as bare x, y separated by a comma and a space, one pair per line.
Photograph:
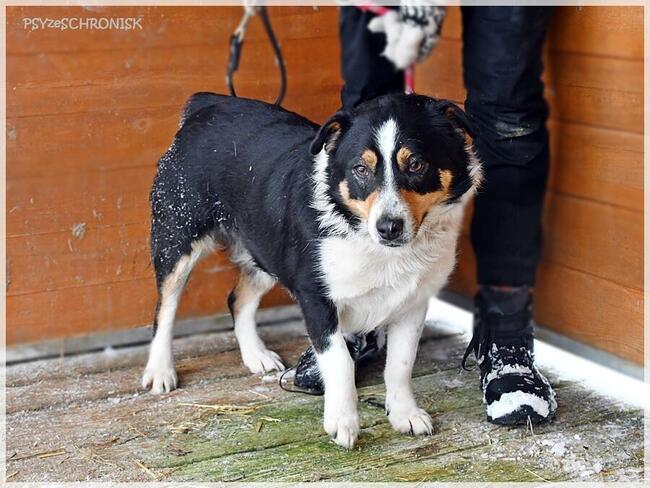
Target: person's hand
411, 33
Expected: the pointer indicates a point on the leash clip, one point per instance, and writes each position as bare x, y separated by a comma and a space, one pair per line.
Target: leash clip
236, 43
240, 31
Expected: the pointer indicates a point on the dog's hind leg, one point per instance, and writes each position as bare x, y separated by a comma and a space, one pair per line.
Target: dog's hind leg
243, 303
160, 372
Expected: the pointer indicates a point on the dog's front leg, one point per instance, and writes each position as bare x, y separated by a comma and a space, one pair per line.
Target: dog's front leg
341, 419
337, 371
402, 345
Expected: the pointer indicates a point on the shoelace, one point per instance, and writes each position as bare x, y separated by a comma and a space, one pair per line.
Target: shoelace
487, 333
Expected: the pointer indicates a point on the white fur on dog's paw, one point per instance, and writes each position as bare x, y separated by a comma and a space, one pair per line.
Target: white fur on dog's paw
161, 376
414, 421
261, 360
343, 428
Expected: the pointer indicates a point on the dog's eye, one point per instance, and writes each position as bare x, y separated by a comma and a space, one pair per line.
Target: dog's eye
361, 170
416, 166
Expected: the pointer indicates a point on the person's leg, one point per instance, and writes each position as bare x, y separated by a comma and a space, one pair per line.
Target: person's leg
366, 74
502, 60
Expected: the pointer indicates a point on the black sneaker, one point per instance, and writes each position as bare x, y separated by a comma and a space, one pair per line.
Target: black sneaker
513, 388
362, 348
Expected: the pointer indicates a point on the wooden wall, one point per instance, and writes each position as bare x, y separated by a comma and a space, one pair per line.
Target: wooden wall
89, 113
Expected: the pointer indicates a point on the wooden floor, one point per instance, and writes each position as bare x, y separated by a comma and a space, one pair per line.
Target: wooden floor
86, 418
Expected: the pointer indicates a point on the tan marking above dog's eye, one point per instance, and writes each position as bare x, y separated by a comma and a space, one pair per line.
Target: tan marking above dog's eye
403, 156
369, 158
409, 162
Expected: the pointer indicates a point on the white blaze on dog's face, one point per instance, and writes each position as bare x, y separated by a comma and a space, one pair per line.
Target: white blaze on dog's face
394, 161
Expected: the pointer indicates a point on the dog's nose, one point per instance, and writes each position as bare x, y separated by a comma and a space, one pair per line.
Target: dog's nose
390, 229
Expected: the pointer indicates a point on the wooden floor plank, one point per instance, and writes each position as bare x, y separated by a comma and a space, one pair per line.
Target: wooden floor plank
86, 418
459, 418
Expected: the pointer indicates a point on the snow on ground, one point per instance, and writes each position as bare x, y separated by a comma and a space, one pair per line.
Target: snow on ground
567, 366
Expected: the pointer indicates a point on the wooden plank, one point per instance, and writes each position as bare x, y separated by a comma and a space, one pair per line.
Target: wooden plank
116, 66
604, 92
591, 310
169, 86
74, 311
161, 27
125, 138
615, 31
598, 239
108, 141
117, 305
316, 100
56, 261
452, 456
117, 339
597, 164
57, 204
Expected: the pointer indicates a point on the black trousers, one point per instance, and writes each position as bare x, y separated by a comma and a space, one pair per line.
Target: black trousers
502, 63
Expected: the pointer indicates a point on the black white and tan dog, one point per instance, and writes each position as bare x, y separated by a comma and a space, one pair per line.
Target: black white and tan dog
358, 219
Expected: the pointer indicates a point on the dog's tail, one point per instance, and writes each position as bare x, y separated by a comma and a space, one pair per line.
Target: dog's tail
196, 102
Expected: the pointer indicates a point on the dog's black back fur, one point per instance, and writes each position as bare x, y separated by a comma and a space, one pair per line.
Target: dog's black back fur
199, 191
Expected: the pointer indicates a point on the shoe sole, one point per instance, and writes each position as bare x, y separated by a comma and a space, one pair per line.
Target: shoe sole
521, 416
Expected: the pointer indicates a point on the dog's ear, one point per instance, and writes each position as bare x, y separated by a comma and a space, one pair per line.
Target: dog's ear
457, 117
330, 132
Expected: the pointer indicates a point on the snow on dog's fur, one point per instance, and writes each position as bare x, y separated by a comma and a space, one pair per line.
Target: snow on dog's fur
358, 219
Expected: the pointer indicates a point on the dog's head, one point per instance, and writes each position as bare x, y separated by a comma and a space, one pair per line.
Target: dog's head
392, 162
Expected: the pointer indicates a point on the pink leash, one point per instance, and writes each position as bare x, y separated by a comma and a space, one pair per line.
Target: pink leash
409, 73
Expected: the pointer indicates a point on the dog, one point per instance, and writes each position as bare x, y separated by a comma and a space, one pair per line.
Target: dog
358, 219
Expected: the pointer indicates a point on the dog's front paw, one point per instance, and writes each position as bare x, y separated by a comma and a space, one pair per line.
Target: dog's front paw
161, 375
261, 361
342, 427
414, 421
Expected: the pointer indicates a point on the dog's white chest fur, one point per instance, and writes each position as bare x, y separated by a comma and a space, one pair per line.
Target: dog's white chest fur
372, 284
